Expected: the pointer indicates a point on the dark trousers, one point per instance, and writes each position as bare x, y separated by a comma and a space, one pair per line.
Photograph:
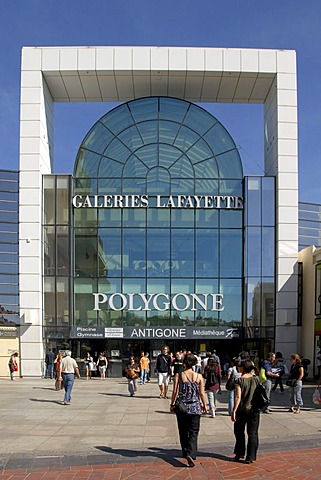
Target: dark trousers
251, 421
188, 428
278, 381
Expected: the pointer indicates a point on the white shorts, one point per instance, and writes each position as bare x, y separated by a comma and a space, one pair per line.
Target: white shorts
163, 379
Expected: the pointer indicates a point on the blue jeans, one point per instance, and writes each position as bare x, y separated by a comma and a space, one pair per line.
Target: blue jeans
296, 395
268, 386
68, 379
143, 375
49, 370
230, 401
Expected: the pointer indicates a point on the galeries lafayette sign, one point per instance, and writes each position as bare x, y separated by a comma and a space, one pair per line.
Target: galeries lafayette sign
158, 201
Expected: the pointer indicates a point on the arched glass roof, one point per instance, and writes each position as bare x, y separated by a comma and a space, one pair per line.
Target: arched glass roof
157, 138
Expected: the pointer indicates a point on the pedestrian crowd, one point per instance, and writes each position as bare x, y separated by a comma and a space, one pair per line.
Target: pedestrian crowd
196, 382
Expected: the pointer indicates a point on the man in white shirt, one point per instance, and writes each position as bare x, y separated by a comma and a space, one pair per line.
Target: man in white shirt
68, 370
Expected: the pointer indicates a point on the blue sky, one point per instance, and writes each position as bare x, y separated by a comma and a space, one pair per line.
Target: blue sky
281, 24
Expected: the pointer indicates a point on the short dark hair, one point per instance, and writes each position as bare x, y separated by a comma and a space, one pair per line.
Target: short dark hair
189, 360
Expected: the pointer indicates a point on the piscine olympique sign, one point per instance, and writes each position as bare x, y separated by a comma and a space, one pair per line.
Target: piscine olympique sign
159, 201
171, 333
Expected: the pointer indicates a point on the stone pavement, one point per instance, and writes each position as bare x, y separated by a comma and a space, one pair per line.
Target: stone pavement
106, 434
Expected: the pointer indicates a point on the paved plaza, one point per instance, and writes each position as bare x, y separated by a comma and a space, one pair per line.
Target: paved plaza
104, 433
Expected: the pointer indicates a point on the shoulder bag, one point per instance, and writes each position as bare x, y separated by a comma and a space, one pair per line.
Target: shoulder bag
230, 384
179, 405
259, 399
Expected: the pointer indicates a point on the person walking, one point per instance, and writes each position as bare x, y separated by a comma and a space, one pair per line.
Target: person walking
89, 364
58, 383
163, 368
132, 373
244, 415
295, 383
50, 362
212, 375
102, 364
232, 374
144, 367
13, 364
68, 370
189, 385
318, 362
267, 384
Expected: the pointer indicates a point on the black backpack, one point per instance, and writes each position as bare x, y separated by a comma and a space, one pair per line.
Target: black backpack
211, 379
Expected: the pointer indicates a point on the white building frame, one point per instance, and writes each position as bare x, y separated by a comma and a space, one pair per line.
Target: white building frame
119, 74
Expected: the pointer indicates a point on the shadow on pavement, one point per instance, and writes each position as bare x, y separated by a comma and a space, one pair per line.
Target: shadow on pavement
58, 402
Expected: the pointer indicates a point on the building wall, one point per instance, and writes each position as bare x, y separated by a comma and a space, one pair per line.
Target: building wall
73, 74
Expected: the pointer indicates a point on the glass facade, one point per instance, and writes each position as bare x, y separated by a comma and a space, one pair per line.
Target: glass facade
309, 225
9, 247
57, 259
164, 150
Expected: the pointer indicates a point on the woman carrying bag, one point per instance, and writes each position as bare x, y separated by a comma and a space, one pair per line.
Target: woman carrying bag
244, 415
295, 383
189, 387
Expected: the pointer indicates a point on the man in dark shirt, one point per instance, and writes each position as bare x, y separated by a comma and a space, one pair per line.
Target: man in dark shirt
163, 368
267, 365
49, 361
177, 364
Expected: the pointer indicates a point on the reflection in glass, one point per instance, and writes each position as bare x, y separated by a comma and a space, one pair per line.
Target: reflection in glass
207, 253
231, 242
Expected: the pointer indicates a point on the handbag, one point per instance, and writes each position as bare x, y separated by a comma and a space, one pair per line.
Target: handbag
259, 399
230, 384
179, 405
291, 382
316, 398
15, 367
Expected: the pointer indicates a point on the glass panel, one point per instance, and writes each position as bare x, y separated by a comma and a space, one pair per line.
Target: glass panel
134, 252
182, 168
13, 247
199, 120
158, 252
170, 109
182, 186
148, 155
318, 290
134, 186
49, 301
182, 243
229, 165
10, 175
49, 251
148, 131
231, 218
8, 289
8, 216
117, 151
8, 257
253, 300
232, 301
9, 196
231, 247
134, 168
63, 314
10, 304
253, 201
158, 182
86, 217
105, 286
8, 237
131, 138
254, 251
109, 241
118, 119
206, 169
11, 268
207, 253
63, 251
107, 186
8, 186
185, 138
8, 206
111, 168
98, 138
268, 243
63, 200
86, 252
219, 139
183, 217
86, 163
168, 155
206, 187
85, 186
199, 151
13, 279
268, 301
157, 217
8, 227
144, 109
206, 218
231, 187
167, 131
207, 317
134, 217
49, 199
268, 201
